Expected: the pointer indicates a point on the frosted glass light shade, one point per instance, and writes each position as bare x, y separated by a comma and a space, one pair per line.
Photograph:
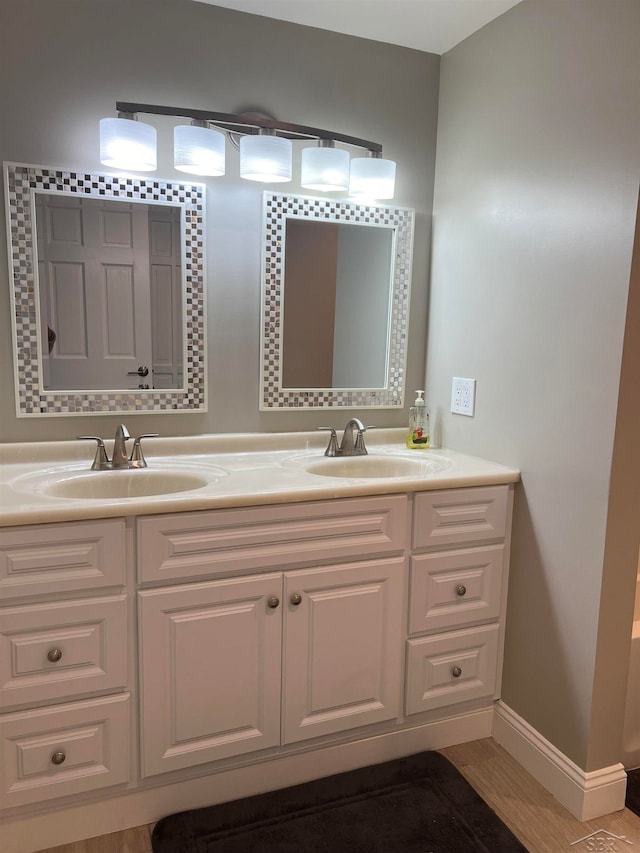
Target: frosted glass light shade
265, 158
324, 169
372, 177
198, 150
127, 144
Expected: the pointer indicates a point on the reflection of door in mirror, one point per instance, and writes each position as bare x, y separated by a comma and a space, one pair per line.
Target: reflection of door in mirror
166, 296
107, 280
337, 293
94, 291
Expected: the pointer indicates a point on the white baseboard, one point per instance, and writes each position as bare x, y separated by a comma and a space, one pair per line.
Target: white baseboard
71, 823
587, 795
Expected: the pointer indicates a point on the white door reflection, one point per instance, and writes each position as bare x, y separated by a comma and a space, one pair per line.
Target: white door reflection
109, 293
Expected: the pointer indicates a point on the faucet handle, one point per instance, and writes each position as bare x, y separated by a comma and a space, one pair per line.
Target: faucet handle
101, 460
332, 447
137, 459
359, 448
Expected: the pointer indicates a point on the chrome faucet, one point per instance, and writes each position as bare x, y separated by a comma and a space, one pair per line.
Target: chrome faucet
119, 459
352, 443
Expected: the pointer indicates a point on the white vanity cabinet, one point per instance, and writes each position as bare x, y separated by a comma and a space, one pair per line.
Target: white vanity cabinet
157, 662
457, 598
239, 664
64, 707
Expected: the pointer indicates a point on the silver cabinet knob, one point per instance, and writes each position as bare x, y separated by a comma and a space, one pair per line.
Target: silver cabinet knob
54, 655
461, 590
295, 598
58, 758
273, 601
456, 672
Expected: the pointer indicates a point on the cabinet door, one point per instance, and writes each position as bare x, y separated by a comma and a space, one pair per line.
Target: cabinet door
210, 671
343, 647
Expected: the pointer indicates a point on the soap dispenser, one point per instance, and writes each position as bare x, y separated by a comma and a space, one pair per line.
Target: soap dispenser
418, 437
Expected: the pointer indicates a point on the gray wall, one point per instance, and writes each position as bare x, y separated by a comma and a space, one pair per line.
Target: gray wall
537, 170
64, 63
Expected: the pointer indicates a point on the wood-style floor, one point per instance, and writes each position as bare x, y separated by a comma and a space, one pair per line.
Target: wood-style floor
537, 819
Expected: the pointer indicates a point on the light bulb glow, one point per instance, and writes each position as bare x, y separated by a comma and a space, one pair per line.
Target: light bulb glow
265, 158
127, 144
372, 178
198, 150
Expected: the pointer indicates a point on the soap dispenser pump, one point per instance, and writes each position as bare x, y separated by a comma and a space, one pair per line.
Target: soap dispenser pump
418, 437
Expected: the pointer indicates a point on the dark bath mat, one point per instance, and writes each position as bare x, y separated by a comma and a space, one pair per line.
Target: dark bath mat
632, 800
419, 804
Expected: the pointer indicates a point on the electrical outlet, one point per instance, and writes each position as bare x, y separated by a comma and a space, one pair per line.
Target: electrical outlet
463, 396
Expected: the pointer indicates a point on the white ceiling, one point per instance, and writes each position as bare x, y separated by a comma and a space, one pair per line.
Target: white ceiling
434, 26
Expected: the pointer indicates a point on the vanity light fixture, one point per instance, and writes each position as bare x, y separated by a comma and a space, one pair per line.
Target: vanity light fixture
265, 150
126, 143
265, 157
197, 149
372, 177
325, 168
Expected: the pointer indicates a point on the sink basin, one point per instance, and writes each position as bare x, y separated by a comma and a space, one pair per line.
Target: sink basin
378, 466
124, 484
109, 485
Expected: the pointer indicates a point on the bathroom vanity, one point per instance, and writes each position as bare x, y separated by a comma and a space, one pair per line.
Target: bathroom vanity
264, 626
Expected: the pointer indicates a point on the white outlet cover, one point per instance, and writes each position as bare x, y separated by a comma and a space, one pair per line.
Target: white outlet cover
463, 396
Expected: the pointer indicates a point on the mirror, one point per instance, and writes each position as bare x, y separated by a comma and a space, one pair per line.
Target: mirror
108, 292
335, 328
336, 281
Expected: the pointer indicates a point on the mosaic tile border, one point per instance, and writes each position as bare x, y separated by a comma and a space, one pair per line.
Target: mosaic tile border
21, 181
277, 208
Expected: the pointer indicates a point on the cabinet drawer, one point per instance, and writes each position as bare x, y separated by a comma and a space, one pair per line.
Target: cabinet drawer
460, 516
62, 649
232, 542
67, 749
455, 588
61, 557
449, 668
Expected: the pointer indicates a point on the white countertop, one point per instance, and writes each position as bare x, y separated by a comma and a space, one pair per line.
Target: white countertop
236, 470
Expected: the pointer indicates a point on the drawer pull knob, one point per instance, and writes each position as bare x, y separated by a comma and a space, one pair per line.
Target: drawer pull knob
54, 655
456, 672
58, 758
461, 590
273, 602
295, 599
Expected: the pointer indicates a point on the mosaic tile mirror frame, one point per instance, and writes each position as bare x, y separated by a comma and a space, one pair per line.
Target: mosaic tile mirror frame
276, 210
22, 182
